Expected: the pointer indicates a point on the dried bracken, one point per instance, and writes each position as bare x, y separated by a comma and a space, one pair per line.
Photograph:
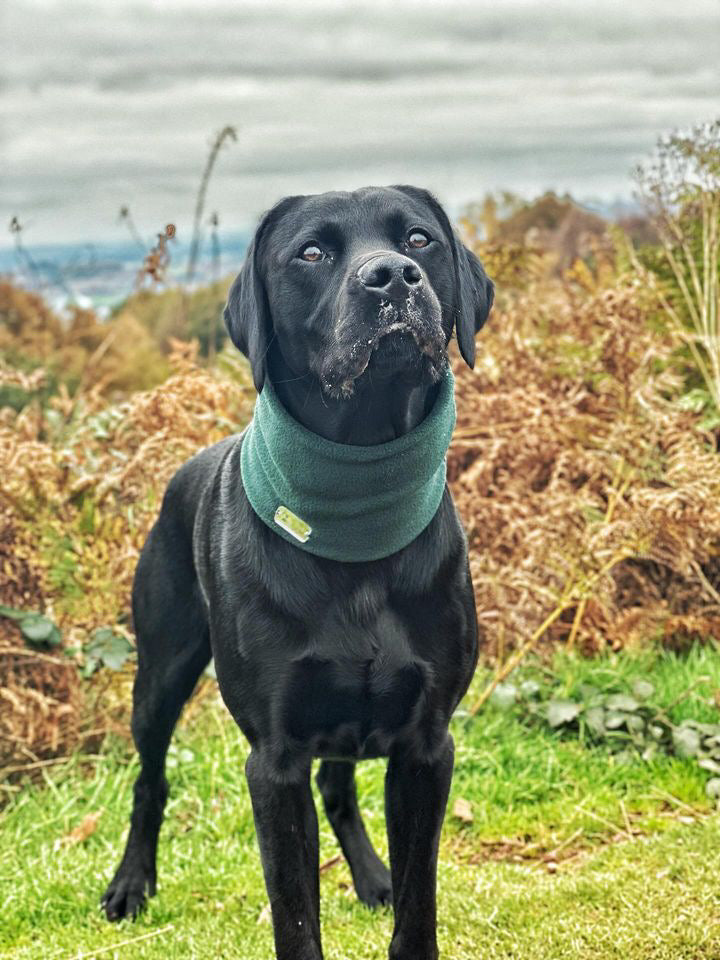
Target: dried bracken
591, 498
82, 482
585, 491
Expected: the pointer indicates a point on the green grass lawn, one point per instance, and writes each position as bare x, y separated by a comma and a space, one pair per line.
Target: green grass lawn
571, 853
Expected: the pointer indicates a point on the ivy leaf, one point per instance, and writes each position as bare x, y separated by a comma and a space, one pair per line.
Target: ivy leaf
712, 788
709, 764
643, 689
40, 630
614, 719
686, 741
12, 613
504, 695
37, 629
560, 712
634, 723
622, 702
595, 720
108, 648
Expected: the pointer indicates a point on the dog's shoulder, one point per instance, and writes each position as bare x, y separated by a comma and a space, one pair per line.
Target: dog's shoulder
185, 490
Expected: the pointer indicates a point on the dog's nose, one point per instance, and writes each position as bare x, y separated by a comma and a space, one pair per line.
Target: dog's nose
389, 274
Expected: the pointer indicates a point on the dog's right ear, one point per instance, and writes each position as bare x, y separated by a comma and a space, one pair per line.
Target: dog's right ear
246, 315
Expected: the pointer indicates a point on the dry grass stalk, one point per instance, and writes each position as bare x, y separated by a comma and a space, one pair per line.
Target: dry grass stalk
682, 193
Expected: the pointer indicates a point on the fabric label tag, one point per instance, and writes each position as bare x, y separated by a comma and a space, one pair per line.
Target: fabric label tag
292, 524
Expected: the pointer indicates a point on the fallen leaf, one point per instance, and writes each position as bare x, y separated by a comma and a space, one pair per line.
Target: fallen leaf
81, 832
463, 810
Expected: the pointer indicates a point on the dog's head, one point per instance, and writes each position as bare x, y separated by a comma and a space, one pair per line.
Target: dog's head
349, 285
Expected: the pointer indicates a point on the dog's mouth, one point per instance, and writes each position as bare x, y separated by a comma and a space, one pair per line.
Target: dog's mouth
405, 339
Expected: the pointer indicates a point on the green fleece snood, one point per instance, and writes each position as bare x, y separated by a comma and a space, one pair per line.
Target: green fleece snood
341, 501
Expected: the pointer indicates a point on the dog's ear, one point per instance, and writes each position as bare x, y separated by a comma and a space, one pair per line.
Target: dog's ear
247, 314
474, 290
247, 317
475, 296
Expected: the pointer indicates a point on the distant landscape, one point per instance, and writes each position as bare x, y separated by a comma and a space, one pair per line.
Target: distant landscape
101, 275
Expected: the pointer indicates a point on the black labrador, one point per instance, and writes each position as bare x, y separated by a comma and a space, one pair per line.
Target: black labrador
215, 580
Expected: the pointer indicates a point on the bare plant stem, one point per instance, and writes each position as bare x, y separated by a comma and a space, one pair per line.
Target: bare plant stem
615, 496
227, 133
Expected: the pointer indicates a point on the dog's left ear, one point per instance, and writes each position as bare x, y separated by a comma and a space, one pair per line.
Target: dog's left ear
474, 292
475, 296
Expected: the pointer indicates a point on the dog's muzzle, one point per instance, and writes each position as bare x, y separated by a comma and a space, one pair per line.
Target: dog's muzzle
389, 313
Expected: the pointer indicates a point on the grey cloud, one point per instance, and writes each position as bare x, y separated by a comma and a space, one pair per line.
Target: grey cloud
115, 103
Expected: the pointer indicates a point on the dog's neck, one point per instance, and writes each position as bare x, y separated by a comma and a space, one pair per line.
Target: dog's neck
379, 410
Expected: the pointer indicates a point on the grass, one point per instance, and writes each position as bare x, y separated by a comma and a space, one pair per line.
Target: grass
570, 854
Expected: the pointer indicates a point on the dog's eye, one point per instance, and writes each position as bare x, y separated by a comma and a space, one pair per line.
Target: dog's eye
312, 253
418, 238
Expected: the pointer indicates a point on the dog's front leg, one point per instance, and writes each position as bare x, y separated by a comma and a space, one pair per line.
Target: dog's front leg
287, 832
415, 799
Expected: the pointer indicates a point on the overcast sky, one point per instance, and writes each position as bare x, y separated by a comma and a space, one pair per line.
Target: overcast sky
112, 102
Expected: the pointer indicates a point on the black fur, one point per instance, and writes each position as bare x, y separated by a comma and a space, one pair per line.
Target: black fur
317, 658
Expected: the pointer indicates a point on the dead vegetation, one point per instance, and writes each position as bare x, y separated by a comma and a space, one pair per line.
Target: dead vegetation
589, 490
82, 482
586, 490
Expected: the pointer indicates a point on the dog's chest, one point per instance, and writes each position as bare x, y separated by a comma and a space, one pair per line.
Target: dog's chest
356, 684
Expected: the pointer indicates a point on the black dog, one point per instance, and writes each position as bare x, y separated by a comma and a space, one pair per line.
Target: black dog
321, 310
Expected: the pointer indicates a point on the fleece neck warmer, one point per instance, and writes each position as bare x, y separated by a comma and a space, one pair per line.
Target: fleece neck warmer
341, 501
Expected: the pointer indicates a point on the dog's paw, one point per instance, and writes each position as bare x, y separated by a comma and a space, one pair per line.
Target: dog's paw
374, 889
127, 894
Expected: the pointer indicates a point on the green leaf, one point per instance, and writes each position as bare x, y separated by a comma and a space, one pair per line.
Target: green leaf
108, 648
643, 689
12, 613
712, 788
37, 629
686, 741
504, 695
635, 723
595, 720
91, 665
622, 701
614, 719
560, 712
710, 765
